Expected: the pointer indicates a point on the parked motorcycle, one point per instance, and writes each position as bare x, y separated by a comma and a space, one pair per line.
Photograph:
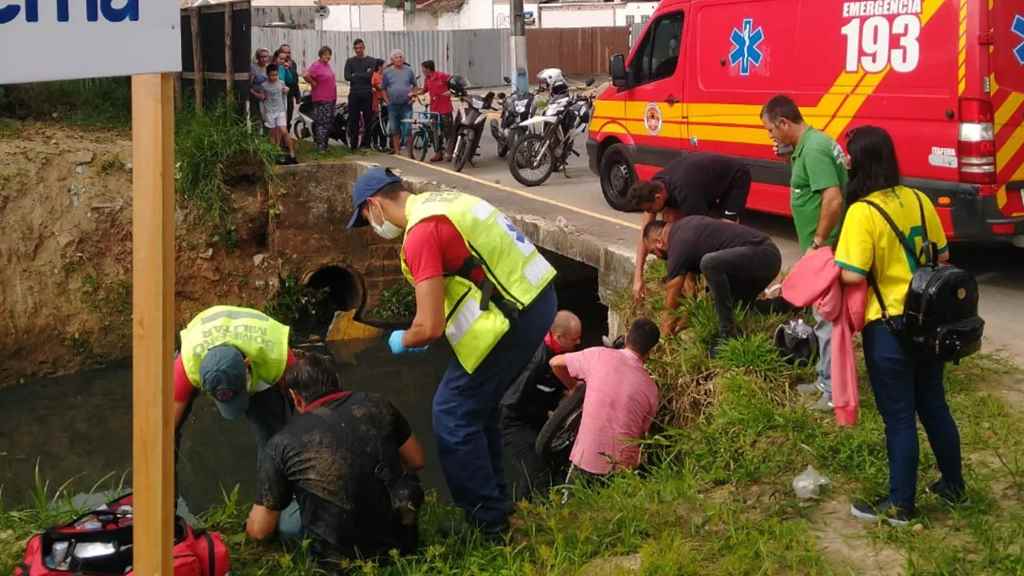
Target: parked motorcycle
469, 122
536, 156
302, 121
516, 108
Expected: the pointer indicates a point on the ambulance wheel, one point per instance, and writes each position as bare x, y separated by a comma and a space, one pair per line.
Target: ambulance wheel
617, 176
559, 432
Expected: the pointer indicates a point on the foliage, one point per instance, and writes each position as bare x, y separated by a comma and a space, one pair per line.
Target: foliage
295, 302
714, 497
97, 102
397, 302
213, 148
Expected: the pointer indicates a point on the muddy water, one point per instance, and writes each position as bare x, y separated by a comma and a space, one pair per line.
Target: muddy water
79, 426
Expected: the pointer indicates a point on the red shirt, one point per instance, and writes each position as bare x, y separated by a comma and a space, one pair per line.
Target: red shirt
183, 388
435, 248
436, 85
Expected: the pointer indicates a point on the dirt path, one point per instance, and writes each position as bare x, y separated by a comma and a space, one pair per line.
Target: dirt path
844, 542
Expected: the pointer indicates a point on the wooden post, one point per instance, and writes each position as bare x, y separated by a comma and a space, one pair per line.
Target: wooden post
229, 64
178, 95
153, 322
197, 57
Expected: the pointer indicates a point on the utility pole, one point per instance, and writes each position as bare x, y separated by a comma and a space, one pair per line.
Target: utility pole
519, 67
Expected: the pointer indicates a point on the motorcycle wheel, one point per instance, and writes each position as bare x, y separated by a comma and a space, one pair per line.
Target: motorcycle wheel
502, 150
526, 164
418, 146
559, 432
301, 130
463, 149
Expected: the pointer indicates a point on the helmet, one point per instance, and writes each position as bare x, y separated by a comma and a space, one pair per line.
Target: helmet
552, 79
796, 342
457, 85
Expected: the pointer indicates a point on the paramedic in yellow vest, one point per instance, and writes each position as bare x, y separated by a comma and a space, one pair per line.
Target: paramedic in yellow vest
237, 356
485, 287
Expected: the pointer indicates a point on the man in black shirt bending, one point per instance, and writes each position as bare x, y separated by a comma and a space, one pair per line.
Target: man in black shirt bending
525, 408
349, 461
694, 185
358, 74
737, 262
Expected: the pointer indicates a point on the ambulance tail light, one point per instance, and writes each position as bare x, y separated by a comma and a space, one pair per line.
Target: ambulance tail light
976, 144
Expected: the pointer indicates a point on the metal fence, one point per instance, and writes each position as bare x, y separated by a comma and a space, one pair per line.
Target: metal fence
481, 56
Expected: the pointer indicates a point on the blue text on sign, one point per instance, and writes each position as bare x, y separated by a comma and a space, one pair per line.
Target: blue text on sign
93, 10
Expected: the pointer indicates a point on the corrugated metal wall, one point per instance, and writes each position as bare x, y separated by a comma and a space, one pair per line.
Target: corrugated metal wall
577, 51
480, 56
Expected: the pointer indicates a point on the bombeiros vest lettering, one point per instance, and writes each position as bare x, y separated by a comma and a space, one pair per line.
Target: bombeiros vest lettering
516, 272
260, 338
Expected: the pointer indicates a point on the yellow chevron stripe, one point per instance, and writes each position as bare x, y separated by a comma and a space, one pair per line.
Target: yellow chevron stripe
853, 104
1010, 147
1010, 106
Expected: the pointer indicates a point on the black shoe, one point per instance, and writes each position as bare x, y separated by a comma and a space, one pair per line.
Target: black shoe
951, 494
882, 510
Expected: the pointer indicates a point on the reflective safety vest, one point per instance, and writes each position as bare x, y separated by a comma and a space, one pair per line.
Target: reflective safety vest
260, 338
476, 317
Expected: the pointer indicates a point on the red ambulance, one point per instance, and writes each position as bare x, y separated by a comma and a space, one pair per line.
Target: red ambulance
944, 77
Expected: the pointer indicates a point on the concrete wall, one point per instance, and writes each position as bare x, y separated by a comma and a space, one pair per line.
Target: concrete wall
369, 18
587, 15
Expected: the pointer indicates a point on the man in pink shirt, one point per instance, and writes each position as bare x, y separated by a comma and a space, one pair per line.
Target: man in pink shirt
620, 402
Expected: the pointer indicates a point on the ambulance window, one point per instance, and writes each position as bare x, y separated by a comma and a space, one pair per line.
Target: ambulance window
657, 56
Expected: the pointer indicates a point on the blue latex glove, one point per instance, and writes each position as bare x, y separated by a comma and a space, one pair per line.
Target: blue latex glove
395, 342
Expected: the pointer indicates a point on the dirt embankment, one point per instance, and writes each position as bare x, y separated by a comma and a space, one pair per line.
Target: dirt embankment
65, 251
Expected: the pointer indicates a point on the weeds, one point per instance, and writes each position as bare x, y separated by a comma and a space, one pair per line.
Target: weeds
713, 497
97, 102
214, 148
397, 302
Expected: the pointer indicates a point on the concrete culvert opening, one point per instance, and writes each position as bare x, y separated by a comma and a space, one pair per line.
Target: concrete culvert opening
326, 291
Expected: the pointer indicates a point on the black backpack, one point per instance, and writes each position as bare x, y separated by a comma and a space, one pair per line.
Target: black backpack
940, 315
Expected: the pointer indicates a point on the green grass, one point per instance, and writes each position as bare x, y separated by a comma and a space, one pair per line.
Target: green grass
306, 151
214, 148
714, 496
99, 102
397, 302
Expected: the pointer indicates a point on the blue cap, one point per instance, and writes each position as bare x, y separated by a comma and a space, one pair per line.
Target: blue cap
367, 185
223, 373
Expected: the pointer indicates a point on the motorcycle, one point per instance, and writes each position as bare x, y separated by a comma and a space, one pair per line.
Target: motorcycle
302, 121
469, 126
515, 109
537, 155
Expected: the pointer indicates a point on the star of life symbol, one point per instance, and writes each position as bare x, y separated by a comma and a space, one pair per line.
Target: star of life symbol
1018, 29
522, 242
745, 49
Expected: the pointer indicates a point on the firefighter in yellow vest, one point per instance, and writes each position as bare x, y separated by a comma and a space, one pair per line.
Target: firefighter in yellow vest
485, 287
238, 356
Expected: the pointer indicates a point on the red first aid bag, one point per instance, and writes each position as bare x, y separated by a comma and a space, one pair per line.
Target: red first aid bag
100, 543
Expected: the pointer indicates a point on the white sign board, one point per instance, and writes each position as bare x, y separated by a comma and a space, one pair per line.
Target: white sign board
65, 39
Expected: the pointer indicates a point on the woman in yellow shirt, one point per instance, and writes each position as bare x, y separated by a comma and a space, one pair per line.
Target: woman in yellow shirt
904, 386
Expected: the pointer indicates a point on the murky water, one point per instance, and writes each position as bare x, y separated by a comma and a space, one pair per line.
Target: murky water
79, 426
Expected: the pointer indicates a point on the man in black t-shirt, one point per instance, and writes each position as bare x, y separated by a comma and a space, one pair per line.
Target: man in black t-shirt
694, 185
359, 75
737, 262
349, 461
525, 408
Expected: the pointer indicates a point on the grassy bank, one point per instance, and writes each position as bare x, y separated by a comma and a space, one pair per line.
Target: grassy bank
714, 496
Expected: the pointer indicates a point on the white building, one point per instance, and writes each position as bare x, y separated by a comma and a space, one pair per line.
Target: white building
373, 15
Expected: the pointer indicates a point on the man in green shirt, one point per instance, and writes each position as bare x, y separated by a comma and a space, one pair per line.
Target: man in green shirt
817, 179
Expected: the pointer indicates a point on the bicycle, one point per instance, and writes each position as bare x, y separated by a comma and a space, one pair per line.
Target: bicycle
378, 130
425, 132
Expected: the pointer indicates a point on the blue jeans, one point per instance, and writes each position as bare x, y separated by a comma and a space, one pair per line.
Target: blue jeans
397, 113
823, 331
289, 523
905, 386
466, 416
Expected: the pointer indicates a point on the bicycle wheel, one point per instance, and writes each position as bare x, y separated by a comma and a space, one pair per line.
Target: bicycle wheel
418, 145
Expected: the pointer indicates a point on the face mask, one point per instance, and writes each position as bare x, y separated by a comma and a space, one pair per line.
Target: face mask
387, 230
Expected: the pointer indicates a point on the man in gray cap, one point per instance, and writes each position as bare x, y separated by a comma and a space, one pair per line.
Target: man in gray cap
238, 356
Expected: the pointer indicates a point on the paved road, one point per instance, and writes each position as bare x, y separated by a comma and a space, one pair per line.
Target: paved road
578, 199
